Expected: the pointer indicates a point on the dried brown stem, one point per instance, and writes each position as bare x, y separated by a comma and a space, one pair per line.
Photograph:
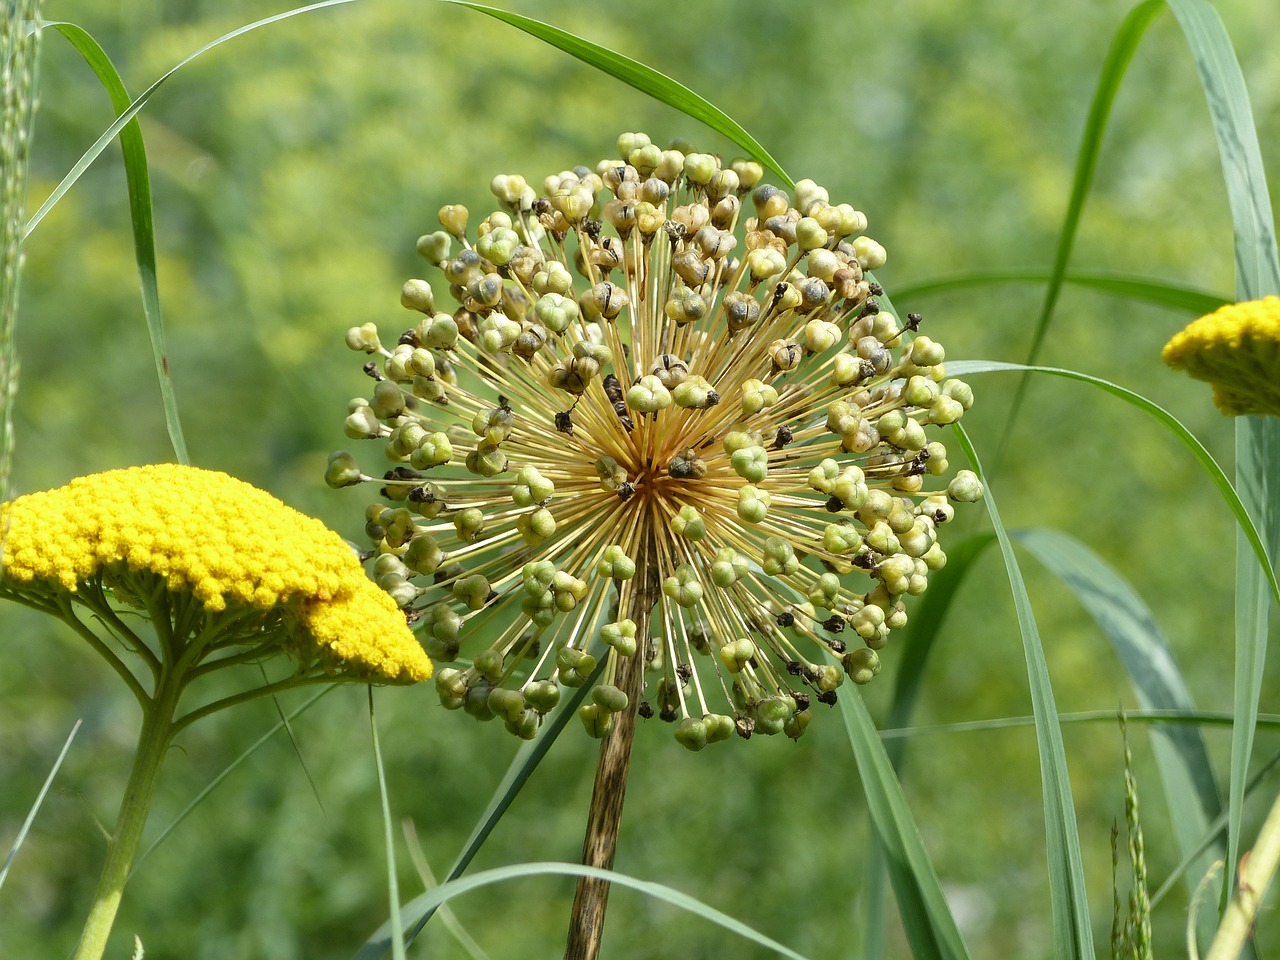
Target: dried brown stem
586, 924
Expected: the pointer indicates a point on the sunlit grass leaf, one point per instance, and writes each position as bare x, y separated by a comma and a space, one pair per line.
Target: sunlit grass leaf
922, 631
1154, 292
1072, 933
432, 899
35, 807
138, 179
1257, 439
1119, 55
418, 911
643, 78
926, 918
388, 834
1171, 423
1190, 789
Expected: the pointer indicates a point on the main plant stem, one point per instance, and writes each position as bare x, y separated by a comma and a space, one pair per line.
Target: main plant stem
1255, 876
586, 924
153, 741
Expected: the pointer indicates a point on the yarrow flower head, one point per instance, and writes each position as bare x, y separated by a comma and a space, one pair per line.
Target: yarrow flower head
221, 562
667, 386
1236, 349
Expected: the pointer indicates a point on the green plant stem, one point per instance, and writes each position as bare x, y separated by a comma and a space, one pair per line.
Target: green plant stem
1256, 871
153, 742
599, 847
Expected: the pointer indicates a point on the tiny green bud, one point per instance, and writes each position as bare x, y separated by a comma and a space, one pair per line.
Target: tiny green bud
753, 503
751, 463
648, 395
683, 587
364, 338
597, 722
779, 558
729, 567
692, 733
609, 698
870, 255
965, 487
688, 523
342, 471
735, 654
615, 564
621, 636
861, 664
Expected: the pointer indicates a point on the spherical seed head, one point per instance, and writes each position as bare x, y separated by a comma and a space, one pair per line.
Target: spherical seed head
670, 398
199, 535
1237, 350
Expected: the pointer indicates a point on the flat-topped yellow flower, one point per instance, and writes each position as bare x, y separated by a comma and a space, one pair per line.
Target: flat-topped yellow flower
262, 574
1236, 349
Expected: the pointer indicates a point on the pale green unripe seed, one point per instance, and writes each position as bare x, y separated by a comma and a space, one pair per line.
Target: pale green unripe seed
630, 141
841, 539
574, 666
531, 487
870, 255
497, 333
364, 338
920, 391
700, 167
719, 727
597, 722
507, 704
621, 636
820, 335
779, 558
453, 217
683, 586
609, 698
342, 470
498, 246
694, 393
691, 732
823, 265
556, 312
536, 527
737, 439
765, 262
958, 390
486, 461
735, 654
542, 695
965, 487
809, 234
729, 567
688, 523
751, 463
508, 188
810, 195
442, 332
416, 295
756, 396
434, 247
468, 523
616, 564
648, 395
945, 410
861, 665
823, 475
451, 688
925, 352
753, 503
424, 554
825, 591
473, 590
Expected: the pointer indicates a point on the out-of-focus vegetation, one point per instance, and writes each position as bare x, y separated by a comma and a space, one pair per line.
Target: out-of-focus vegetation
293, 170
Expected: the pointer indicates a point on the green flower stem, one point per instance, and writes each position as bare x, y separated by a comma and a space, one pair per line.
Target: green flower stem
1256, 871
153, 742
591, 899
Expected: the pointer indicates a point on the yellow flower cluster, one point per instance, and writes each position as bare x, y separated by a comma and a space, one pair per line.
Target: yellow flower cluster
223, 541
1237, 349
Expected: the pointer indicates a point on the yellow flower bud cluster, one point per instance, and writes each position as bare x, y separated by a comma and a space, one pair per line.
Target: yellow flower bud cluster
229, 545
1237, 349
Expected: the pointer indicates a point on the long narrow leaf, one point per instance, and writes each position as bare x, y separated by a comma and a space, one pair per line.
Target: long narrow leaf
1170, 422
1155, 292
1182, 757
641, 77
921, 635
1257, 440
35, 807
1072, 933
86, 160
1123, 45
930, 928
429, 901
144, 234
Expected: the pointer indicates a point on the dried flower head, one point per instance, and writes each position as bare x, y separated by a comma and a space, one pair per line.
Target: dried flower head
648, 382
1237, 349
216, 562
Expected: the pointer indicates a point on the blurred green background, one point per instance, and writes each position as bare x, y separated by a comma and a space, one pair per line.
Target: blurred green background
294, 168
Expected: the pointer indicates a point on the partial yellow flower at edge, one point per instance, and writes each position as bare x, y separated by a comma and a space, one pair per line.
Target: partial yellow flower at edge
1237, 350
228, 544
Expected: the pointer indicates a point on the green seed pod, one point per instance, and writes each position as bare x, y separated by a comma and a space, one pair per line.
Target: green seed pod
861, 665
364, 339
752, 464
965, 487
683, 587
688, 523
342, 470
542, 695
597, 722
621, 636
692, 733
753, 503
756, 396
417, 295
473, 590
779, 558
615, 564
648, 395
468, 523
609, 698
728, 567
453, 217
870, 255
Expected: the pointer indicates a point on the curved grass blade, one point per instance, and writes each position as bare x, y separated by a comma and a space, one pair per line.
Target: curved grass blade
35, 807
1123, 46
1170, 422
1072, 933
1155, 292
77, 170
1257, 439
926, 918
429, 901
921, 634
1190, 789
518, 773
641, 77
388, 832
140, 213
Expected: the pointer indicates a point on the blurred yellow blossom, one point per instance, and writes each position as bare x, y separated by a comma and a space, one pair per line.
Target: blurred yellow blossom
234, 548
1237, 349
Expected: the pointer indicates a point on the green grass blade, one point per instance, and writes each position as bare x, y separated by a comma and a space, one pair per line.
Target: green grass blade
86, 160
140, 213
1123, 46
963, 368
930, 928
35, 807
1156, 292
641, 77
1257, 440
429, 901
521, 768
1190, 789
388, 831
1072, 933
921, 634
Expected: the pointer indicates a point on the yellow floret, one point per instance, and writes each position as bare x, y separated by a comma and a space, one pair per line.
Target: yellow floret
221, 540
1236, 349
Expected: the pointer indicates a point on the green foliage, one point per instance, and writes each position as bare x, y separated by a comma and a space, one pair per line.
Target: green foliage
293, 167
